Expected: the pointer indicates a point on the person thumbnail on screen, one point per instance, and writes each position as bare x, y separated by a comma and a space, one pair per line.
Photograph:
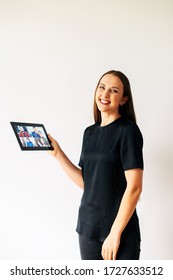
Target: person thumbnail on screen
30, 143
35, 133
22, 131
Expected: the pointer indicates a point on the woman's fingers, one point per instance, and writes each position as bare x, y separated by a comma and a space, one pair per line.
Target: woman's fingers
108, 252
55, 145
110, 247
51, 138
108, 255
102, 253
114, 255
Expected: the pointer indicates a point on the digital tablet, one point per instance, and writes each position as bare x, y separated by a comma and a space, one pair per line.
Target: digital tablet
31, 136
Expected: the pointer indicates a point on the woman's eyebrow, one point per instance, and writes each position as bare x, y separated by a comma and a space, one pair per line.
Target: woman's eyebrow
102, 84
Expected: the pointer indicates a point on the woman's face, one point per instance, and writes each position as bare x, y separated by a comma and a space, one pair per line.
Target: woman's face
109, 94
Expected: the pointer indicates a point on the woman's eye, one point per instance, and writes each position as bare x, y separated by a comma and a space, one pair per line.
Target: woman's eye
101, 87
115, 90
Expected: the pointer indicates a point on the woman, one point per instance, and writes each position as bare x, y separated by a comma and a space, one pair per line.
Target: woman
110, 174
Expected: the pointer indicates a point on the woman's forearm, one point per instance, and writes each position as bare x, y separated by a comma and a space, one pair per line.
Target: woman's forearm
127, 207
129, 201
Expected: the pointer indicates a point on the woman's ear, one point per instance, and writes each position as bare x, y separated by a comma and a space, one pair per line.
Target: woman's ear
123, 100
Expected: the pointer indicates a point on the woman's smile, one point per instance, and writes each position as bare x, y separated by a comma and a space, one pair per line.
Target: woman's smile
104, 102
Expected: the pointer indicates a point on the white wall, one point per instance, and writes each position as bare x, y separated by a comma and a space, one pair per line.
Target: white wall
52, 54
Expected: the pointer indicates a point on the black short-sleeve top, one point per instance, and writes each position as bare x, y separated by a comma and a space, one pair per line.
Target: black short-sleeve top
107, 151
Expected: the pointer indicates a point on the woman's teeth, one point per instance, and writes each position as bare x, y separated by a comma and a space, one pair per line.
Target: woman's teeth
105, 102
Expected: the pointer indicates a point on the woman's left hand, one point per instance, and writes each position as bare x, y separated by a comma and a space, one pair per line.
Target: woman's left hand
110, 246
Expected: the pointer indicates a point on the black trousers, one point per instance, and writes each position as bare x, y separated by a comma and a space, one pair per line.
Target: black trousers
129, 248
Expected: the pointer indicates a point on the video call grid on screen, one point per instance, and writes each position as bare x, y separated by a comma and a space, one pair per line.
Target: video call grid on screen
31, 136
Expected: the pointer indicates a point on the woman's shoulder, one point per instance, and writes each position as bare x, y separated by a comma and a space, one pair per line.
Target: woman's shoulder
89, 128
127, 126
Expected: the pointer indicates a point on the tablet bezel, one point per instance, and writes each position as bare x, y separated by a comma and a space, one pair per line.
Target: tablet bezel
24, 124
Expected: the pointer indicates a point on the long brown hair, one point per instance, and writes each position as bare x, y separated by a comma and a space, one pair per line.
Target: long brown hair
126, 110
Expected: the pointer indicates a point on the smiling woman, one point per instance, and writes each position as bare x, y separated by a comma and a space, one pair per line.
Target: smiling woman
109, 96
117, 83
110, 174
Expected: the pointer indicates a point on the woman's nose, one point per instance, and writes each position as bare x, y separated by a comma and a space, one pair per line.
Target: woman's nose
106, 93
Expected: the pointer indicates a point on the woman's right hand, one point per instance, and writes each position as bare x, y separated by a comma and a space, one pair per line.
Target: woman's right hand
56, 147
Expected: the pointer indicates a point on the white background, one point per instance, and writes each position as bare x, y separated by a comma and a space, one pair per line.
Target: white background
52, 53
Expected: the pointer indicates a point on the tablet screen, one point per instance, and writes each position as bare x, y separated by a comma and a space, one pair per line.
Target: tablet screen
31, 136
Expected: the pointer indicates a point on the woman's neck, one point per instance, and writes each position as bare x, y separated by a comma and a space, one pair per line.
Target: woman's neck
105, 119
